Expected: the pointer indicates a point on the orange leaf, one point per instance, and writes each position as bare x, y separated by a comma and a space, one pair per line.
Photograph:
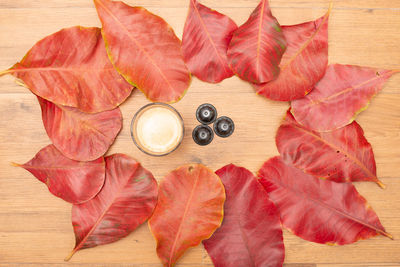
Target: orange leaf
78, 135
339, 96
73, 181
126, 200
71, 68
189, 210
144, 49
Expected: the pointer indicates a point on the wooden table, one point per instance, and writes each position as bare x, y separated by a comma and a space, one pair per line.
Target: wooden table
35, 227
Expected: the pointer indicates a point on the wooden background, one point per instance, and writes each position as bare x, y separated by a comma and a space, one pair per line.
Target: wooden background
35, 227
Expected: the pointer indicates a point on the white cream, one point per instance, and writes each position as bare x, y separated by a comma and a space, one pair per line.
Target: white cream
159, 129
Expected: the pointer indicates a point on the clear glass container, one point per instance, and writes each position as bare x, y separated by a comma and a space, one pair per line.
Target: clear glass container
157, 129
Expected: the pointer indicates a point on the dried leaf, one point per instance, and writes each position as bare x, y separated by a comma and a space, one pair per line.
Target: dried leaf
250, 234
73, 181
303, 63
71, 68
318, 210
144, 49
189, 210
257, 46
342, 93
78, 135
343, 155
127, 200
205, 41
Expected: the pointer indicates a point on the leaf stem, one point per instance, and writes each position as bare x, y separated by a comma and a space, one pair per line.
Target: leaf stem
330, 7
15, 164
20, 83
386, 234
70, 255
4, 72
381, 185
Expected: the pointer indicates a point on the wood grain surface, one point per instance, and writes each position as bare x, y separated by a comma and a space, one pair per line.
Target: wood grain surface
35, 227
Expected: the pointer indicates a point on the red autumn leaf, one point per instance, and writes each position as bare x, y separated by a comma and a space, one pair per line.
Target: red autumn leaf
342, 93
205, 41
189, 210
318, 210
342, 155
78, 135
304, 62
71, 68
73, 181
127, 200
257, 46
250, 234
145, 50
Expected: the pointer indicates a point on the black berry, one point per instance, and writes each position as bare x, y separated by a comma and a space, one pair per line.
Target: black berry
224, 126
206, 113
202, 135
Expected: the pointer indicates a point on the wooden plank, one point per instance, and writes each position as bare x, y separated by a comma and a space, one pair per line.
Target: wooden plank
28, 199
35, 228
342, 4
349, 35
393, 264
188, 265
256, 122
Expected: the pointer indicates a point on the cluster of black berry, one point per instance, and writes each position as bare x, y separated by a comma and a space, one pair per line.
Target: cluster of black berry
207, 114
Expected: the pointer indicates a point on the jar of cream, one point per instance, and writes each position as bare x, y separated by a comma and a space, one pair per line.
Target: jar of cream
157, 129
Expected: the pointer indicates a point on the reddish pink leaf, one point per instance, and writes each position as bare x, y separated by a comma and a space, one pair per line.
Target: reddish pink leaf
342, 93
343, 155
205, 41
304, 62
318, 210
189, 209
78, 135
257, 46
127, 200
73, 181
71, 68
250, 234
145, 50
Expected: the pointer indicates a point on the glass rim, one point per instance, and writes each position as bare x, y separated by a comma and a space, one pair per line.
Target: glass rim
146, 107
